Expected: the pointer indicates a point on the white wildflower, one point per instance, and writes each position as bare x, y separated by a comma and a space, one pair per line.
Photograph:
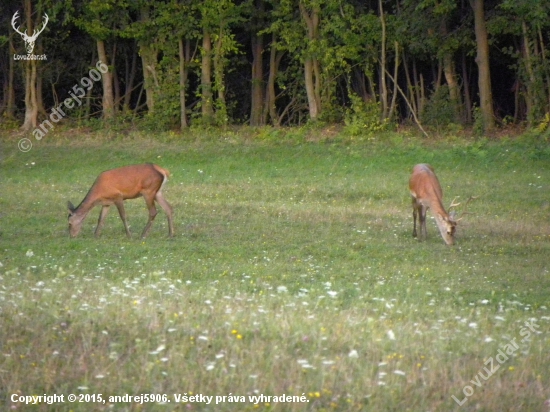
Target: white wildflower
158, 350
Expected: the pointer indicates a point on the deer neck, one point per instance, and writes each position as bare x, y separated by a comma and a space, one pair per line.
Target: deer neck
438, 209
85, 206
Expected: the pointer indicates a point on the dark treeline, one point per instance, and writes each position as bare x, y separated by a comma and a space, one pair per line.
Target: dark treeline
172, 64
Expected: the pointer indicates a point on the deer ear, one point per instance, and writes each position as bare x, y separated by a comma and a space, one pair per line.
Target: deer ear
70, 207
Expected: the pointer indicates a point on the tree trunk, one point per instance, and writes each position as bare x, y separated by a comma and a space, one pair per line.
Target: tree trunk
116, 83
10, 93
270, 109
546, 71
149, 54
219, 82
410, 88
310, 88
129, 80
359, 84
449, 71
31, 102
107, 80
207, 105
530, 95
183, 72
39, 98
311, 64
395, 86
31, 105
466, 86
383, 86
482, 60
257, 94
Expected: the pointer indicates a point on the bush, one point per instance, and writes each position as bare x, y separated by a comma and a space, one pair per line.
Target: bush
363, 118
439, 110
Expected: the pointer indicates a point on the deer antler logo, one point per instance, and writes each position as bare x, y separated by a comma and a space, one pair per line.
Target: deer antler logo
29, 40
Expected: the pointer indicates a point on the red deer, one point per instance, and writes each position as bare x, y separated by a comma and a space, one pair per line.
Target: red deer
116, 185
426, 193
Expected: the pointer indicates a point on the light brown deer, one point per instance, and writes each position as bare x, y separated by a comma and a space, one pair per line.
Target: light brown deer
116, 185
426, 193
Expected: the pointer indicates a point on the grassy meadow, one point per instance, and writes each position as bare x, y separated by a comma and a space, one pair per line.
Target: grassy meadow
293, 272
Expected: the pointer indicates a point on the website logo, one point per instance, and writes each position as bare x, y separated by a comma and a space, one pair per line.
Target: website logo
29, 40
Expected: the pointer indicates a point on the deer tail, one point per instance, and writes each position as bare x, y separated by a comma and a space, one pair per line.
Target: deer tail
162, 171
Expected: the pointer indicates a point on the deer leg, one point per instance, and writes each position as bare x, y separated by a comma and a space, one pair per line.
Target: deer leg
101, 220
122, 212
168, 210
150, 201
422, 218
415, 211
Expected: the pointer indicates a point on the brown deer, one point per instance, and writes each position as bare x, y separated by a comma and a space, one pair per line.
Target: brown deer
116, 185
426, 193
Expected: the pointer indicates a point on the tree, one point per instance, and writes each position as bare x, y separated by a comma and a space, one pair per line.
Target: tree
100, 19
433, 30
177, 28
32, 79
217, 17
527, 21
258, 18
282, 61
483, 64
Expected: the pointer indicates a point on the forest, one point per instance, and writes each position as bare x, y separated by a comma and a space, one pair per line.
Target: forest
371, 65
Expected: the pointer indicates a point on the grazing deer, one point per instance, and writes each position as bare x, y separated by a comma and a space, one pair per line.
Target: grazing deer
116, 185
426, 193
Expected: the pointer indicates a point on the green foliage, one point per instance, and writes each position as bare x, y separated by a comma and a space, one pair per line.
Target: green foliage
363, 118
439, 110
544, 127
345, 44
422, 26
101, 19
167, 108
478, 126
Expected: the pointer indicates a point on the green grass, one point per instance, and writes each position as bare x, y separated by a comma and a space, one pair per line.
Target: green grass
293, 271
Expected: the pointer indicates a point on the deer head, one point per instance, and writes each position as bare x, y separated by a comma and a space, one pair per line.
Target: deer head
29, 40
